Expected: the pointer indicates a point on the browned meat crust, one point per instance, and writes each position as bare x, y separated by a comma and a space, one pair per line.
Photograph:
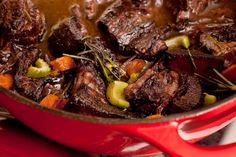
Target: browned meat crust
124, 24
67, 36
21, 21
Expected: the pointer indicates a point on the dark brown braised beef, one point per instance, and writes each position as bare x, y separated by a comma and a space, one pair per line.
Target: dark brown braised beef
166, 85
89, 95
7, 59
67, 35
224, 34
125, 26
92, 7
21, 22
142, 5
218, 48
29, 87
174, 6
193, 8
32, 88
156, 89
179, 61
188, 96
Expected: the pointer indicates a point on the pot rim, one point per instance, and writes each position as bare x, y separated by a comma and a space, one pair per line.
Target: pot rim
100, 120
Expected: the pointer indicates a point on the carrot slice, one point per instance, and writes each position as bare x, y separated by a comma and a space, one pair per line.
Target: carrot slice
50, 101
63, 63
6, 81
154, 116
134, 66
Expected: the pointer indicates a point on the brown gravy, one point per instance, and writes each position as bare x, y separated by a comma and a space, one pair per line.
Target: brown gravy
56, 10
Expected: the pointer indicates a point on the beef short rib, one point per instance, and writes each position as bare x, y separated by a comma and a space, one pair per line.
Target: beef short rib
68, 34
89, 95
180, 61
29, 87
21, 21
130, 32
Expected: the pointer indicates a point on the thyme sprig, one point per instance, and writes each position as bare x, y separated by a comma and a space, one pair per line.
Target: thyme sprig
192, 59
111, 69
223, 85
78, 57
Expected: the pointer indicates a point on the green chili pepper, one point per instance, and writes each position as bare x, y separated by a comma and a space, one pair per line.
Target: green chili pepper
42, 69
209, 99
182, 40
115, 94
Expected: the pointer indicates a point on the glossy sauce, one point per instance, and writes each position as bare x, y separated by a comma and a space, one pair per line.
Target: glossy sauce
57, 10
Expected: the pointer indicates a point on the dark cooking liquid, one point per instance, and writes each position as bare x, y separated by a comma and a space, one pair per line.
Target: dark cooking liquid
56, 10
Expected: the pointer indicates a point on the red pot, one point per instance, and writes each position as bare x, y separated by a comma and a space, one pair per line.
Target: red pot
173, 135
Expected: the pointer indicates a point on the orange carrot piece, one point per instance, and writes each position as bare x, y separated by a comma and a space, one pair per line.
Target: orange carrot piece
154, 116
6, 81
134, 66
63, 63
50, 101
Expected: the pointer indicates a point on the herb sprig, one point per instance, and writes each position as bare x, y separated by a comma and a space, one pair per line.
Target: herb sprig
110, 68
222, 84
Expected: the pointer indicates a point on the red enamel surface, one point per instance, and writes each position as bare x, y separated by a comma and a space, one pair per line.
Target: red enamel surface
18, 141
127, 139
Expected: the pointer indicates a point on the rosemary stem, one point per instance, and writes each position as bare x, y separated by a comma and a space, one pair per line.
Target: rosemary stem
223, 78
78, 57
191, 57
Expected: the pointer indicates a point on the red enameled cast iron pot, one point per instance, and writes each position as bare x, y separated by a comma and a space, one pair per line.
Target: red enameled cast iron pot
173, 135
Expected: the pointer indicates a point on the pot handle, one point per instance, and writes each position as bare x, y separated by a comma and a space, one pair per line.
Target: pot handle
165, 136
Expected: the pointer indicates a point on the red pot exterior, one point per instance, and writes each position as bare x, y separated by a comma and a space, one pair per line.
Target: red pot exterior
125, 138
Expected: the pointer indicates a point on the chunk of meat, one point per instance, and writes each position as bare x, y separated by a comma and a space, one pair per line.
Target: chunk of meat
230, 58
180, 61
218, 48
7, 59
67, 36
100, 46
193, 8
89, 102
174, 6
223, 34
132, 89
142, 5
21, 21
29, 87
199, 12
155, 93
92, 7
130, 33
189, 94
89, 76
147, 42
89, 95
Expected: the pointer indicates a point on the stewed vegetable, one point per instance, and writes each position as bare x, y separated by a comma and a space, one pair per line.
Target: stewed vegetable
41, 69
